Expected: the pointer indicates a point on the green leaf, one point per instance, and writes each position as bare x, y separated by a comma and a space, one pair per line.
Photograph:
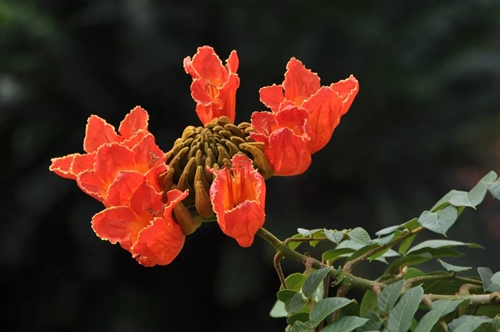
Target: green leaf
467, 323
443, 202
413, 272
495, 189
442, 286
453, 268
439, 222
439, 309
300, 316
434, 244
278, 310
406, 243
374, 323
488, 310
485, 273
332, 255
490, 177
368, 303
295, 303
285, 294
313, 243
496, 278
389, 295
359, 235
476, 195
307, 232
294, 245
461, 198
408, 260
326, 307
410, 224
295, 281
345, 324
313, 281
387, 230
495, 323
334, 236
400, 317
383, 240
299, 326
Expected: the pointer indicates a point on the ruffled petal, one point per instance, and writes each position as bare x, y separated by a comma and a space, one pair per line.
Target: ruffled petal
147, 154
136, 120
110, 159
122, 188
214, 85
232, 62
243, 222
238, 198
206, 64
288, 152
325, 109
62, 166
347, 90
116, 224
97, 133
159, 243
272, 96
300, 83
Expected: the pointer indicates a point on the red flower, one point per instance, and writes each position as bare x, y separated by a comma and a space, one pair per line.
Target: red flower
122, 171
99, 132
108, 153
300, 91
139, 221
214, 85
238, 196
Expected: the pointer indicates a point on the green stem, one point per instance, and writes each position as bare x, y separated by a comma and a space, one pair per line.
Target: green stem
476, 299
345, 276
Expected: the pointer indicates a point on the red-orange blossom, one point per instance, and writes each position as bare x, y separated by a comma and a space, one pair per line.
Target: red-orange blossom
123, 170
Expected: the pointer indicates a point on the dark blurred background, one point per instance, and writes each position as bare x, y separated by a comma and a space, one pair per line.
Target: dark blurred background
425, 121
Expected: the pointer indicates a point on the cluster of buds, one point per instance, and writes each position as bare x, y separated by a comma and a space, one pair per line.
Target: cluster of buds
216, 171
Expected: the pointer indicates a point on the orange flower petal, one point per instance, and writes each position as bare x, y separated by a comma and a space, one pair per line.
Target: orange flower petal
147, 154
232, 62
238, 196
159, 243
122, 188
62, 166
97, 133
288, 152
114, 224
206, 64
146, 199
82, 163
272, 96
300, 83
325, 109
153, 176
286, 138
243, 222
136, 120
110, 159
214, 85
347, 90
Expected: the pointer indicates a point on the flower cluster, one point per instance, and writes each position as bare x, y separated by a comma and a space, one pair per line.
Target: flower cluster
150, 207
